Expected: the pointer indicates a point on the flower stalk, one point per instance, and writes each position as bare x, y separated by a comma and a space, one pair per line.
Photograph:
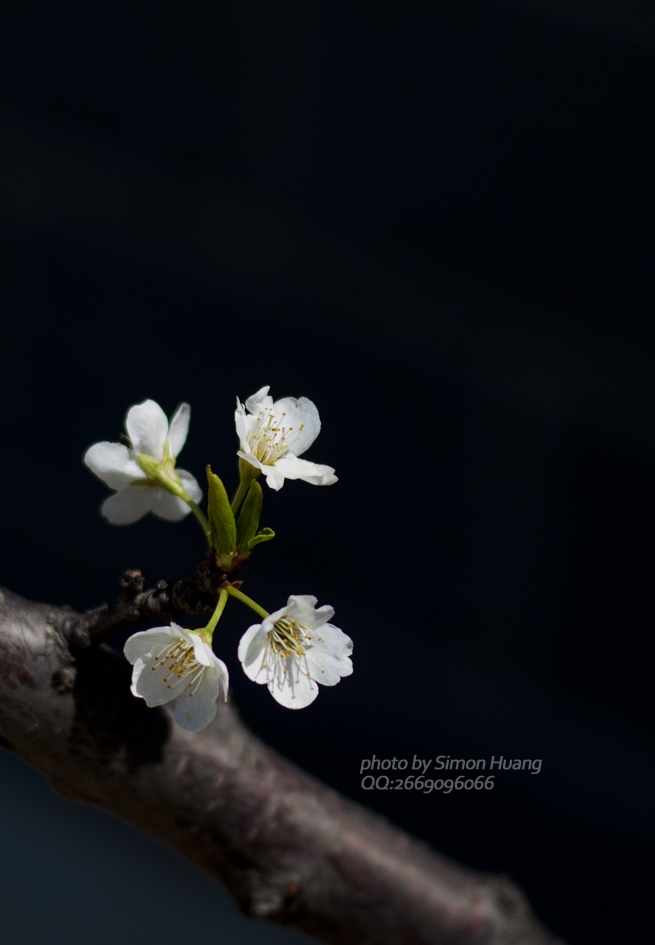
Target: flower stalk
208, 632
248, 601
247, 474
200, 516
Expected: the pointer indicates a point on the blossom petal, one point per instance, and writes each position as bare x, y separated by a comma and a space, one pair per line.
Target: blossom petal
291, 467
113, 463
328, 657
168, 506
223, 677
270, 621
301, 417
151, 686
147, 427
249, 458
274, 476
240, 424
302, 607
177, 432
151, 682
202, 651
194, 710
260, 399
295, 689
128, 505
143, 642
322, 615
252, 653
336, 641
190, 484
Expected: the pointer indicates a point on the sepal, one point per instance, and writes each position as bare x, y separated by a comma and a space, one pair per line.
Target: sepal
163, 473
149, 465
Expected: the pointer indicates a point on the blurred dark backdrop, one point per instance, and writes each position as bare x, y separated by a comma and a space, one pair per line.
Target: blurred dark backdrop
436, 221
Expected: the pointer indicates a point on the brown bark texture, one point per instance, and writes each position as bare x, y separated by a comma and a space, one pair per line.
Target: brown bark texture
288, 847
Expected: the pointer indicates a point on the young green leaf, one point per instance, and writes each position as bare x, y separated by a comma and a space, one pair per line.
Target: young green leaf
264, 535
249, 516
221, 518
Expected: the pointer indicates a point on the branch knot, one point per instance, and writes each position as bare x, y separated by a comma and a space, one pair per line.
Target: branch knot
167, 601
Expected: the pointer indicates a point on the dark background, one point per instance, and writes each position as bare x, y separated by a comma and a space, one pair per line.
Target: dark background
436, 221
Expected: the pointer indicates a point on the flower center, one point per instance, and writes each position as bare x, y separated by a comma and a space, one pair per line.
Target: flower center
271, 437
287, 637
178, 662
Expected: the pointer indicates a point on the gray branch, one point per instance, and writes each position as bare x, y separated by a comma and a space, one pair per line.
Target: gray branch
287, 846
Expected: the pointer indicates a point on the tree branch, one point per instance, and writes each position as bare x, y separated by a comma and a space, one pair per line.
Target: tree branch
195, 594
287, 847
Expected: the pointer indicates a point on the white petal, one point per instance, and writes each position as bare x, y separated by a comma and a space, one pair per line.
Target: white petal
190, 484
274, 476
294, 414
259, 399
147, 427
249, 458
143, 642
336, 641
155, 683
139, 666
328, 658
169, 506
177, 432
241, 425
128, 505
302, 607
292, 467
113, 463
322, 615
194, 711
326, 670
222, 676
252, 653
295, 690
269, 622
201, 650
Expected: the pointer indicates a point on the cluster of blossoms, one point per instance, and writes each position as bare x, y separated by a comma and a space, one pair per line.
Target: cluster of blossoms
294, 648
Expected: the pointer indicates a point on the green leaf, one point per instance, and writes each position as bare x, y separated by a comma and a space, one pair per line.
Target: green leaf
221, 518
264, 535
249, 516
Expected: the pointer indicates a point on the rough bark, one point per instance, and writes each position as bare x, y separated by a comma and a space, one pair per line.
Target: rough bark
288, 847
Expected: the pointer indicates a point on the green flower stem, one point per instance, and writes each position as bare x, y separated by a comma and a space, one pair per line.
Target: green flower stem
162, 473
208, 631
240, 495
247, 474
248, 601
199, 514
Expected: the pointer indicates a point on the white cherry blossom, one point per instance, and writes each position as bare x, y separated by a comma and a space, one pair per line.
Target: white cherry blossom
294, 649
171, 663
118, 466
273, 435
